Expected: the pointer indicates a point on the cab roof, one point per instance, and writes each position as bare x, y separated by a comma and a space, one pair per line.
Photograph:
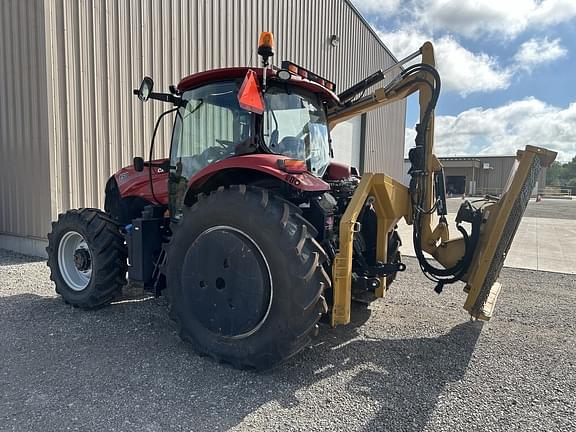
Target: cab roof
213, 75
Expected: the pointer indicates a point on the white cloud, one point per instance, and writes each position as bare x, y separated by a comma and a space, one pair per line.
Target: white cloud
461, 70
487, 131
505, 129
508, 18
550, 12
535, 52
472, 18
377, 6
403, 42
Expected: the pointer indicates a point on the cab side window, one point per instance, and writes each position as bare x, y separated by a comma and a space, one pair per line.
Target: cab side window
212, 126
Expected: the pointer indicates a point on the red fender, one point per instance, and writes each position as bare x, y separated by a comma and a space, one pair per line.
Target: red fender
262, 162
132, 183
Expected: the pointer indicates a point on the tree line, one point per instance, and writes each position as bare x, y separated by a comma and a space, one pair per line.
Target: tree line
562, 174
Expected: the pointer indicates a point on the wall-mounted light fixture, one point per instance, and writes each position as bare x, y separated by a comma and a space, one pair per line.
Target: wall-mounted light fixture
334, 40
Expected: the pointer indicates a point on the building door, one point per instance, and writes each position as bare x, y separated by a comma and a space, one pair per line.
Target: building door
346, 142
455, 185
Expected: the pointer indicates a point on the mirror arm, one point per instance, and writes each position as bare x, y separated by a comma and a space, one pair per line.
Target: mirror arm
164, 165
139, 165
164, 97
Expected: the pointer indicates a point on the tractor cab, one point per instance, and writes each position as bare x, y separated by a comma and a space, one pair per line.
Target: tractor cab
230, 125
226, 114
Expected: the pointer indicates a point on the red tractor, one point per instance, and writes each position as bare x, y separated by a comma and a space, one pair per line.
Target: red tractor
243, 225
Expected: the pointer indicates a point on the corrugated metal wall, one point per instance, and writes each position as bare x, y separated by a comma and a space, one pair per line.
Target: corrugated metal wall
101, 49
24, 170
98, 50
385, 140
494, 179
491, 180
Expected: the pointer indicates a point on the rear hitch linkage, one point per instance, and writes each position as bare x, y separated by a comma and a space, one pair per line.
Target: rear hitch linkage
370, 276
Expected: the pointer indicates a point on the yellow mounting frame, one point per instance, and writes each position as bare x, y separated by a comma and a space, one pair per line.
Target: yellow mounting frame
391, 202
391, 198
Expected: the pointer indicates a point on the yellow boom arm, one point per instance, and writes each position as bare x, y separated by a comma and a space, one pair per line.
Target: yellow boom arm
393, 201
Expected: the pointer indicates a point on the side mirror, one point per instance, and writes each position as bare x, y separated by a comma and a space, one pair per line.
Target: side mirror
145, 89
138, 164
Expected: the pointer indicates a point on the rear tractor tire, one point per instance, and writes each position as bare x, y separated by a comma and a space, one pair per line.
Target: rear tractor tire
87, 258
245, 278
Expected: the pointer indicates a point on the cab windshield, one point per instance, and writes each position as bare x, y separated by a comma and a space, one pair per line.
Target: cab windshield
295, 125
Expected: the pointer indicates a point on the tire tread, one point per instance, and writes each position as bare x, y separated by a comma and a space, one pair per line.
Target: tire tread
105, 242
306, 258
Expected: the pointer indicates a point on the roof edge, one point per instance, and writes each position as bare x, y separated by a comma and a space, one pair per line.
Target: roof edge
370, 28
475, 158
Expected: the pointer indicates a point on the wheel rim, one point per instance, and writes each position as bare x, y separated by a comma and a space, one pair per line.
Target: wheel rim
75, 260
227, 282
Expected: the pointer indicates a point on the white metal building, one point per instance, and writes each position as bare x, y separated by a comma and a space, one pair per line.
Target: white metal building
68, 119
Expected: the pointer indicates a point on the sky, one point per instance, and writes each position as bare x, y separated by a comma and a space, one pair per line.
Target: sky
508, 70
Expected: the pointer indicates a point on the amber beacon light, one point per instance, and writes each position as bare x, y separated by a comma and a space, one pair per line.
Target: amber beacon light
266, 45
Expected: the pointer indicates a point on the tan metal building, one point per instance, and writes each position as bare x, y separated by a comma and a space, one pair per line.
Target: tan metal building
478, 175
68, 119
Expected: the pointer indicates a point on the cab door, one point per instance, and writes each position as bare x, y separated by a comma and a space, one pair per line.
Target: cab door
209, 128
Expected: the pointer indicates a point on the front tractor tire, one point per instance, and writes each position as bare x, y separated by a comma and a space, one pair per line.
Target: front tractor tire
245, 277
87, 258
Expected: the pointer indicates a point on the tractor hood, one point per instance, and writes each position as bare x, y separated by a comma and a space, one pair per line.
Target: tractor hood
132, 183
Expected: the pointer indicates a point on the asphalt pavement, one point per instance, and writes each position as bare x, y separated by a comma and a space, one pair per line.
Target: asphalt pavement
411, 362
545, 240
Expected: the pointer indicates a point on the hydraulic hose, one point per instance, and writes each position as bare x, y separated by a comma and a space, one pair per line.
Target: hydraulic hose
418, 190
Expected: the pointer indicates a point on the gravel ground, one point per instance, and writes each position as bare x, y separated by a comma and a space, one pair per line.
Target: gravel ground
412, 361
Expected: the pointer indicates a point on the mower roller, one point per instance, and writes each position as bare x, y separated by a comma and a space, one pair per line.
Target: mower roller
253, 232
